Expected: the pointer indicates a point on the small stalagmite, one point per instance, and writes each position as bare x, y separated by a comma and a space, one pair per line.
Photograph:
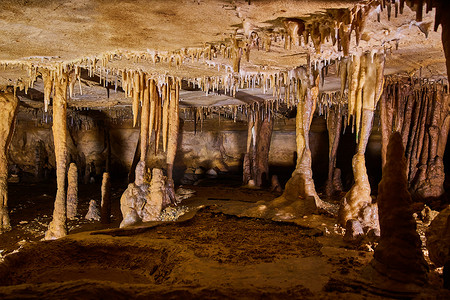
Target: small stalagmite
398, 255
106, 199
93, 213
57, 227
8, 104
72, 191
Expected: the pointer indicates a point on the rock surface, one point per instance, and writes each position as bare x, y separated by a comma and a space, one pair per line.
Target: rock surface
438, 238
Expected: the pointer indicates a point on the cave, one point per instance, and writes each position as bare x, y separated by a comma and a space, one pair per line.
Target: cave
224, 149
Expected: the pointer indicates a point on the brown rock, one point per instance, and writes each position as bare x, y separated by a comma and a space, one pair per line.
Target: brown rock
398, 255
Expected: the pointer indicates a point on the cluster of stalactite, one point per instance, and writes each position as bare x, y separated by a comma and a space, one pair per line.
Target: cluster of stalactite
335, 25
419, 110
256, 159
159, 112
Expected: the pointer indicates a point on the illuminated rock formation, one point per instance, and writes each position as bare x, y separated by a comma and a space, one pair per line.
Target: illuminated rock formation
57, 227
8, 104
72, 191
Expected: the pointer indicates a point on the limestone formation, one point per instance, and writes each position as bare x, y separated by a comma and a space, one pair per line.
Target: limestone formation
256, 160
143, 202
334, 125
353, 231
438, 238
8, 104
301, 184
57, 227
398, 255
93, 213
365, 87
72, 191
106, 199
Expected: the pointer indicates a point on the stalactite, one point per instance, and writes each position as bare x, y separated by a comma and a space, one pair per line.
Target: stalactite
153, 96
48, 83
165, 115
57, 227
9, 103
145, 112
136, 90
72, 191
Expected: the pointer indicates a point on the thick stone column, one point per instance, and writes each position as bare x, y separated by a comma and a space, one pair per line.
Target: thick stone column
57, 227
8, 104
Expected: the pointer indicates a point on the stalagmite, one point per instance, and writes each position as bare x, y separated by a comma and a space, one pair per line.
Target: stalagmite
105, 212
72, 191
398, 255
57, 227
8, 103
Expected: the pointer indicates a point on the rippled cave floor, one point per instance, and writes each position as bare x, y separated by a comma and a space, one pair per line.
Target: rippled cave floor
213, 252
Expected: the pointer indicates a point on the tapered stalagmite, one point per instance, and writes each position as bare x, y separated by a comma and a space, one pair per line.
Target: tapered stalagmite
57, 227
72, 191
8, 104
398, 255
105, 216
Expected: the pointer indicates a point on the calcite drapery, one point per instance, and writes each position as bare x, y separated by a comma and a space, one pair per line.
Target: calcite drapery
8, 104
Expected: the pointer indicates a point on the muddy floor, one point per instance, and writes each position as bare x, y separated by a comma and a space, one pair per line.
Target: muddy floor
212, 252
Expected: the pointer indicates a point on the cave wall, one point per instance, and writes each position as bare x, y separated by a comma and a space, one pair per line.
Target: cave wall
212, 146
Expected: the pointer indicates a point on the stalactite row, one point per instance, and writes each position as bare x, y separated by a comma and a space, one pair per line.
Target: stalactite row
418, 109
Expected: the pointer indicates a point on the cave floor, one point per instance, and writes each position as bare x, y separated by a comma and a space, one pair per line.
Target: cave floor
212, 252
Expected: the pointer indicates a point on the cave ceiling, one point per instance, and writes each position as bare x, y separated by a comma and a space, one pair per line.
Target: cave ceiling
188, 39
